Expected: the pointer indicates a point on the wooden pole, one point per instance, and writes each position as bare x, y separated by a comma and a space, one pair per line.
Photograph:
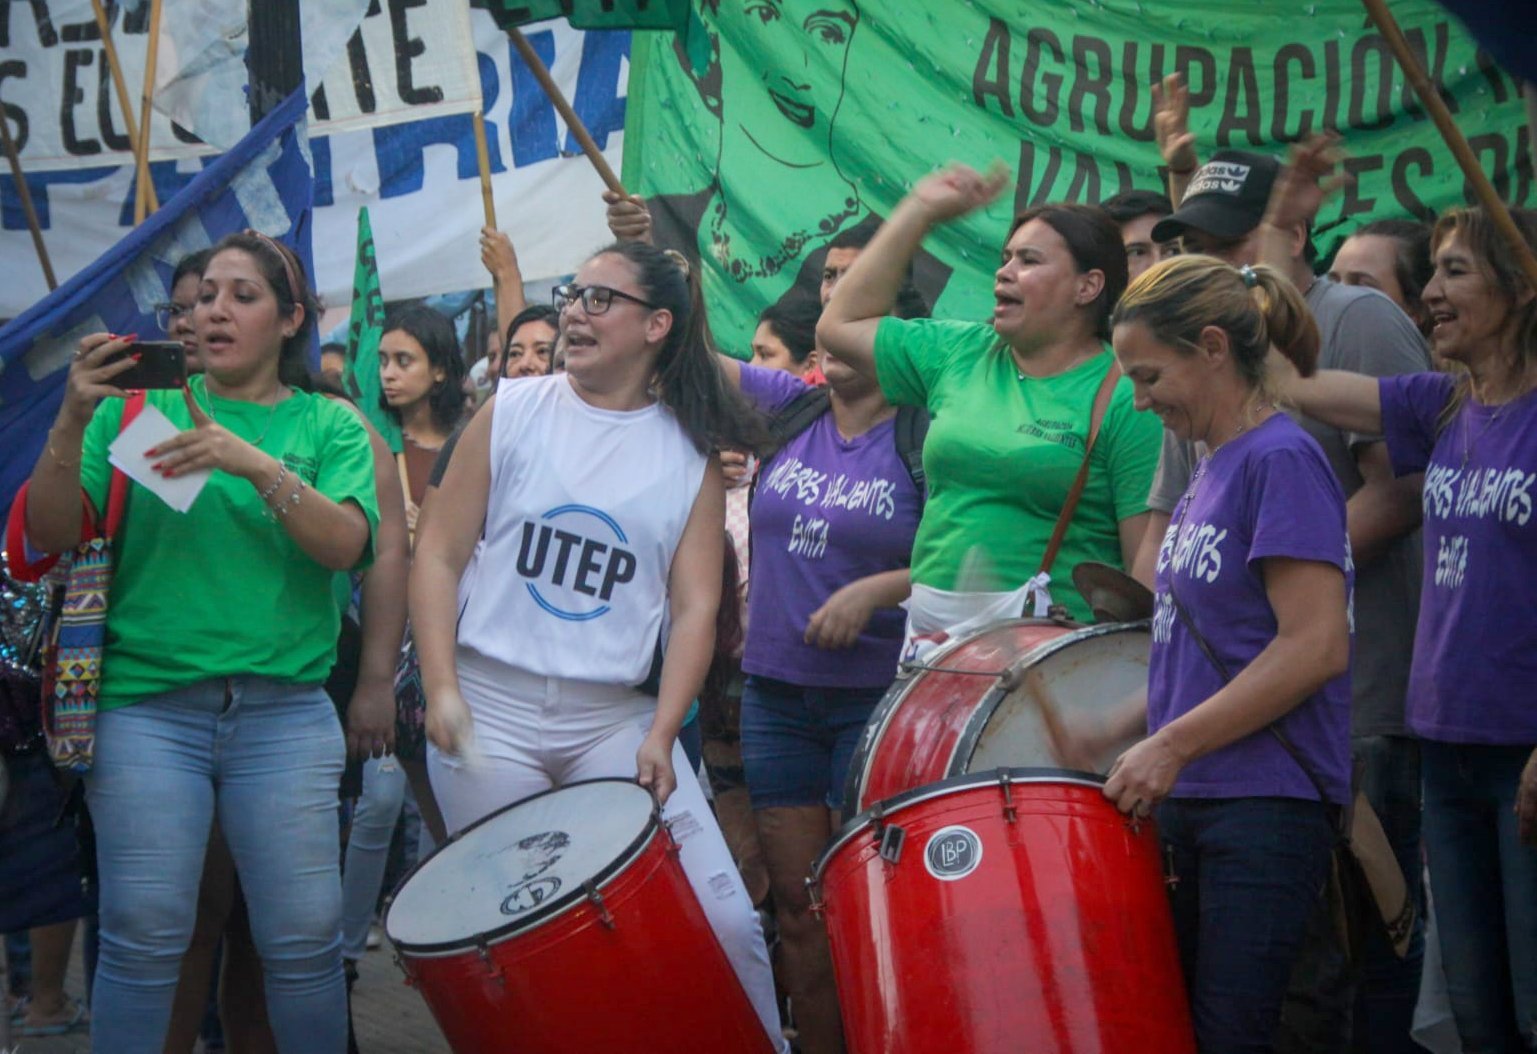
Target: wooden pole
542, 75
483, 158
25, 194
120, 83
141, 208
1529, 90
1431, 100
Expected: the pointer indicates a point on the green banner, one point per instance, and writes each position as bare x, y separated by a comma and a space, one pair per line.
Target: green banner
676, 15
360, 376
817, 115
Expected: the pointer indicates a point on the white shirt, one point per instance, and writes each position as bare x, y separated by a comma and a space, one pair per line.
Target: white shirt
585, 513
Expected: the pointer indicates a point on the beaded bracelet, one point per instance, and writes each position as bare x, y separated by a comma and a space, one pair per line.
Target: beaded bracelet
266, 495
288, 504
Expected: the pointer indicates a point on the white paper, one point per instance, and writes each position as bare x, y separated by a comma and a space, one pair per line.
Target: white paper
145, 432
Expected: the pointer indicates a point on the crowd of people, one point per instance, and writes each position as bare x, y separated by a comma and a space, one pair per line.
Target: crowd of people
1322, 478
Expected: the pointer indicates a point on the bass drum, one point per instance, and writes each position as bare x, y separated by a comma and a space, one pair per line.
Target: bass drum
1002, 912
564, 924
975, 705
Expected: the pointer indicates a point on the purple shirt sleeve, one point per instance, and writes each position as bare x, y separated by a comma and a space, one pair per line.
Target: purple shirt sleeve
1285, 489
1411, 417
770, 390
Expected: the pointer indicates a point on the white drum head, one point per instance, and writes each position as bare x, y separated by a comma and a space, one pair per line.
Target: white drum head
1087, 675
520, 865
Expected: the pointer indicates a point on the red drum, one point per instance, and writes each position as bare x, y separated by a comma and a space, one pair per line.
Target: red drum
968, 707
564, 924
999, 913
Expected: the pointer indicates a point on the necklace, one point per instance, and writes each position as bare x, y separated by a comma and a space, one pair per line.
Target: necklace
1200, 468
271, 414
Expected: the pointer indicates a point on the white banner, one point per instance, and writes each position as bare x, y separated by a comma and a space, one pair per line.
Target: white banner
419, 179
405, 60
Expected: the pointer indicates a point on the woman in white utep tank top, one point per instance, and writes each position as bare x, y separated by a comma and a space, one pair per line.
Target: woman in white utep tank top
598, 506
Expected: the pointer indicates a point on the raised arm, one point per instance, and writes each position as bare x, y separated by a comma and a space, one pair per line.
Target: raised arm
501, 259
444, 545
1176, 143
867, 292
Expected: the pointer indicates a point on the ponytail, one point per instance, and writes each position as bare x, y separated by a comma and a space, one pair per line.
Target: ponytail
688, 382
1256, 307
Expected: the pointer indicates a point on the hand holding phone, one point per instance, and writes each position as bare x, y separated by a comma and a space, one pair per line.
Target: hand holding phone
162, 364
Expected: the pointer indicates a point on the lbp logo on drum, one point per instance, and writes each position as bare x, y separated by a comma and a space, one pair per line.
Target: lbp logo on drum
952, 853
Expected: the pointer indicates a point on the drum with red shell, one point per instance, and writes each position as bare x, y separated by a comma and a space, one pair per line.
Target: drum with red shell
1002, 912
564, 924
976, 704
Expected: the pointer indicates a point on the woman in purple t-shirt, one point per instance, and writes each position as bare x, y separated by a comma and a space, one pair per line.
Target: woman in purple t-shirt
1248, 690
1474, 436
833, 519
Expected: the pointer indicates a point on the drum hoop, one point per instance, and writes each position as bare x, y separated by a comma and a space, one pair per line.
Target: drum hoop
976, 723
941, 789
545, 912
886, 709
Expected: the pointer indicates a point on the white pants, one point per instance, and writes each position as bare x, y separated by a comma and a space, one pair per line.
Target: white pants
534, 733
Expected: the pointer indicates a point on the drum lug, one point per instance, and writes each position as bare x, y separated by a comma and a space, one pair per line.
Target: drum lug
597, 902
492, 969
406, 977
892, 840
1006, 784
814, 894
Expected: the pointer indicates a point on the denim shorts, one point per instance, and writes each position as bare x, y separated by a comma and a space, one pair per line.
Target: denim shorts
797, 741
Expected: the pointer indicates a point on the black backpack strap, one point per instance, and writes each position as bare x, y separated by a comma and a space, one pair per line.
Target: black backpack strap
912, 426
798, 415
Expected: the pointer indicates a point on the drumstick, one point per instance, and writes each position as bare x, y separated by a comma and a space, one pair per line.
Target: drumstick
1062, 746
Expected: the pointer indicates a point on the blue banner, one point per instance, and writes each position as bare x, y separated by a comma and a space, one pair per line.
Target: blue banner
265, 183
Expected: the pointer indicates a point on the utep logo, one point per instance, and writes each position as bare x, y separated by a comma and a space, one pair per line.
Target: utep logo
952, 853
563, 557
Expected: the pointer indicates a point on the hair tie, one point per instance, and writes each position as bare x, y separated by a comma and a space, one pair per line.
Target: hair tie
1249, 276
678, 258
288, 267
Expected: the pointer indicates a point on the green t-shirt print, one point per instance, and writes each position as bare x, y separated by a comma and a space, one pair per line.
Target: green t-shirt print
222, 590
1002, 453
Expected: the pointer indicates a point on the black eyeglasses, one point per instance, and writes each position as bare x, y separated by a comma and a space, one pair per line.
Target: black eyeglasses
595, 299
165, 314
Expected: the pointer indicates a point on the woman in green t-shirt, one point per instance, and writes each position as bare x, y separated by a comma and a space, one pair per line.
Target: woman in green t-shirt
1011, 402
221, 629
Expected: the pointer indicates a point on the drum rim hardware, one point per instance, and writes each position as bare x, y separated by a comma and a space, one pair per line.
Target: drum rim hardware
554, 908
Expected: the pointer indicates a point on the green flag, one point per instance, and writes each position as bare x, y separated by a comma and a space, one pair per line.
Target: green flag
676, 15
361, 375
817, 116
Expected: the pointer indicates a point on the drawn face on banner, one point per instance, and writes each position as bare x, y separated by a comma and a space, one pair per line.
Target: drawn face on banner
777, 108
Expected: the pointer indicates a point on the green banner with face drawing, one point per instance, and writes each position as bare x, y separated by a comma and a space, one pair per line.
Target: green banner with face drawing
813, 117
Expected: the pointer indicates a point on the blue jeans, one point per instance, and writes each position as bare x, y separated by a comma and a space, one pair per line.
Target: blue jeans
368, 849
267, 758
797, 741
1248, 873
1485, 884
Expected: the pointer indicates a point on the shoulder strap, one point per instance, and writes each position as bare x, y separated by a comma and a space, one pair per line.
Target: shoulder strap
912, 427
1222, 670
117, 490
798, 415
1096, 419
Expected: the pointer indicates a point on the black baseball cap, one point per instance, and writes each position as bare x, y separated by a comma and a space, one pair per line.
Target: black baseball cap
1226, 197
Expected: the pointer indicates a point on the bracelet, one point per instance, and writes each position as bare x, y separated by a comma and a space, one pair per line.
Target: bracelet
1184, 171
59, 460
266, 495
288, 504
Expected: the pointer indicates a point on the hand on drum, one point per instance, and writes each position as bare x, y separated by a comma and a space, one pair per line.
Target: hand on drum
1143, 776
653, 767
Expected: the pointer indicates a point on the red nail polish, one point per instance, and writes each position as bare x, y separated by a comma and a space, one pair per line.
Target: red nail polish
130, 336
136, 356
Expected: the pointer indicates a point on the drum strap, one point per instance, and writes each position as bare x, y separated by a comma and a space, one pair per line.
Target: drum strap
1070, 506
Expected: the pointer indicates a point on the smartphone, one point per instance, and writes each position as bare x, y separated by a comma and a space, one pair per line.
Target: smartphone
162, 364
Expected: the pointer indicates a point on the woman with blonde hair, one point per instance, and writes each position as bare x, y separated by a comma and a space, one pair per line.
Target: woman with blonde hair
1248, 753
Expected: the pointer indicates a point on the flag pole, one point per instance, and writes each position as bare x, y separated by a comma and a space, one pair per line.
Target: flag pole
120, 83
1378, 11
578, 129
23, 192
483, 159
141, 205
